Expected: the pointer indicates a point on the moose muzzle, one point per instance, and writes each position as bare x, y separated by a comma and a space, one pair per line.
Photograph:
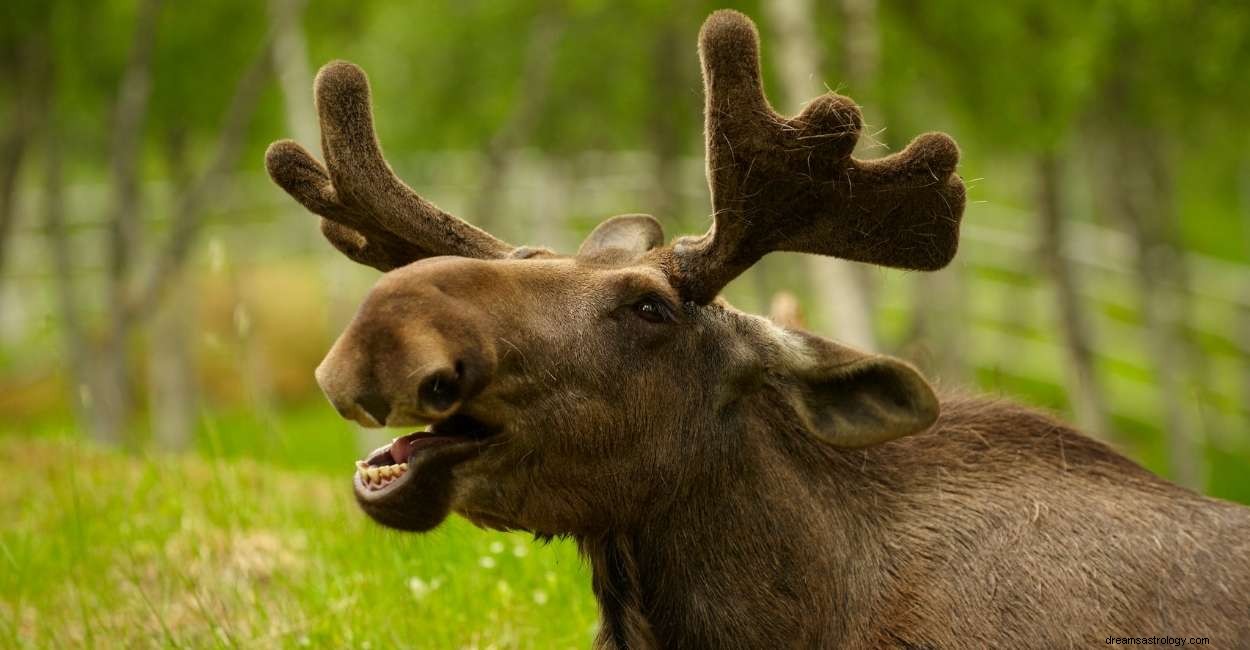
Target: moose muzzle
415, 353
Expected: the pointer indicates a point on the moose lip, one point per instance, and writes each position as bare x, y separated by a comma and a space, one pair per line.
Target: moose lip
389, 467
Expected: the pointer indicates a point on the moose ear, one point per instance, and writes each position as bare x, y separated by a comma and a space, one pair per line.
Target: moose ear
626, 235
854, 399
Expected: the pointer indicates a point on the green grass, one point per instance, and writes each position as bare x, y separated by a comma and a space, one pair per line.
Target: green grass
106, 549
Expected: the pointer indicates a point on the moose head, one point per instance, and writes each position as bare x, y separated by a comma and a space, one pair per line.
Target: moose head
579, 394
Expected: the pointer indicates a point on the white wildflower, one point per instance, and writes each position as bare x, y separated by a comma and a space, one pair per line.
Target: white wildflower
419, 588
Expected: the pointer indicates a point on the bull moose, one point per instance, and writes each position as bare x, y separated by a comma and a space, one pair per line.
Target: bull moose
733, 483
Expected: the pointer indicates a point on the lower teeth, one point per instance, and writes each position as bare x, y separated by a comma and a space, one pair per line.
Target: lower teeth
376, 477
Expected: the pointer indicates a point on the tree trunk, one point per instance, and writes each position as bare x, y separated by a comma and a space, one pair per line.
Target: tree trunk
1187, 440
861, 47
860, 63
1140, 184
254, 368
73, 333
535, 86
26, 69
842, 291
935, 336
1085, 390
1156, 260
112, 391
20, 72
1243, 195
191, 203
1159, 173
290, 64
12, 151
668, 68
173, 389
551, 185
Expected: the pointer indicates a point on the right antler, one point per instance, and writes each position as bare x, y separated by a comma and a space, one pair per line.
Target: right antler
368, 213
790, 184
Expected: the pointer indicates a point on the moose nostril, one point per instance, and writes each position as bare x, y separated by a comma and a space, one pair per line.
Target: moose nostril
375, 405
439, 391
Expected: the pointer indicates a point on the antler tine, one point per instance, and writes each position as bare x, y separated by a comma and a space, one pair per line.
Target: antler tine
368, 212
790, 184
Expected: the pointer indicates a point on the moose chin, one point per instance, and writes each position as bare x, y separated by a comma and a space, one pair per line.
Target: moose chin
733, 483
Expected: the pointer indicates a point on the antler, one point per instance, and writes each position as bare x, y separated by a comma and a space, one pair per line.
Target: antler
368, 213
790, 184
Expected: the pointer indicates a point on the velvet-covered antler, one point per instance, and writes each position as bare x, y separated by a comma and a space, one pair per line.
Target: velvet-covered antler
790, 184
368, 213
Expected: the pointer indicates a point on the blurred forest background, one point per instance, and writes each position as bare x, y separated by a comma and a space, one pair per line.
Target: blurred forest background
158, 294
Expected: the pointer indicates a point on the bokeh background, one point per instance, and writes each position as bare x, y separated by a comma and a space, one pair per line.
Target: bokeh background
172, 475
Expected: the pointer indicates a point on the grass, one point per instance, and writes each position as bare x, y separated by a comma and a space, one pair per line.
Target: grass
106, 549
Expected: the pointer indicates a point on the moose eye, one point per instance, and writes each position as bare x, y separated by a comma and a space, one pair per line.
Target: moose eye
653, 310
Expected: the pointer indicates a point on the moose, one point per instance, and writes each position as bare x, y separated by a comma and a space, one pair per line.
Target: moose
730, 482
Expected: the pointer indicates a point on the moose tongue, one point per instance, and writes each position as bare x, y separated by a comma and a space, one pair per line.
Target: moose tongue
401, 448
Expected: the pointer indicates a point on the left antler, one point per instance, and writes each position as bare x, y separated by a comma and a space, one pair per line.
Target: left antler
368, 213
790, 184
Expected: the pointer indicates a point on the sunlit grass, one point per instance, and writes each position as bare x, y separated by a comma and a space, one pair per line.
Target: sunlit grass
108, 550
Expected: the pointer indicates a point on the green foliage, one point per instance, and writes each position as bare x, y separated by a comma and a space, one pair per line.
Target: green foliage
1016, 73
195, 70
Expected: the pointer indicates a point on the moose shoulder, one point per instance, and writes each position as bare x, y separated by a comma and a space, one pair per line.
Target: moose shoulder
733, 483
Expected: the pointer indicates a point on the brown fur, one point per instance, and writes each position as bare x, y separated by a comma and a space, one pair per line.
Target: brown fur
732, 483
999, 527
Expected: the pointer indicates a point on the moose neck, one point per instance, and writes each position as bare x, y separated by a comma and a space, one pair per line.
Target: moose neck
766, 539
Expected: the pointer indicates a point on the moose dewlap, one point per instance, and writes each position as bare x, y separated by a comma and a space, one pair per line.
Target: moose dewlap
732, 483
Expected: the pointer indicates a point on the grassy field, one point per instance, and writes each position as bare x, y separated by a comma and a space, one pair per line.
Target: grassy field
104, 549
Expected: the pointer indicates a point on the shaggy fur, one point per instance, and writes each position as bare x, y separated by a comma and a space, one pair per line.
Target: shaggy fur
999, 527
734, 484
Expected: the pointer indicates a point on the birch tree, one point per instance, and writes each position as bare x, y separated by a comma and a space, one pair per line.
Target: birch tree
842, 293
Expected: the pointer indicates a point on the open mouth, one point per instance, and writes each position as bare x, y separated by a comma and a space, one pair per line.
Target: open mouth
390, 466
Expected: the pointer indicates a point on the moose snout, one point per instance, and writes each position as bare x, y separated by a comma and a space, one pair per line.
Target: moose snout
352, 398
407, 383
